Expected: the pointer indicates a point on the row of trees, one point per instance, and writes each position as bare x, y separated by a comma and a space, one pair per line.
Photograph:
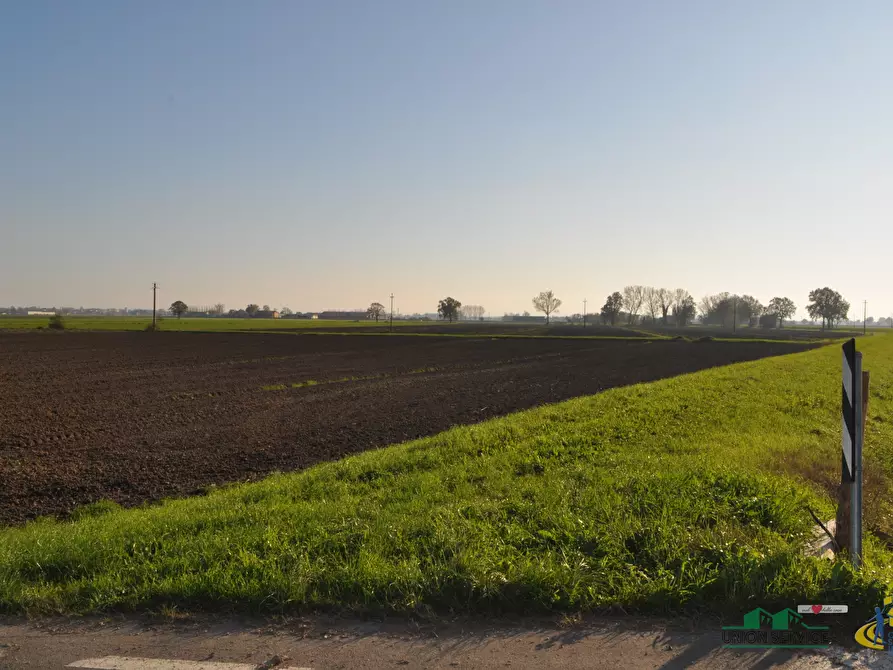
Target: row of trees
254, 310
723, 309
720, 309
659, 303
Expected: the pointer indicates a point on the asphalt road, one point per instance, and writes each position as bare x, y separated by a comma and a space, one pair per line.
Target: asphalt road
118, 643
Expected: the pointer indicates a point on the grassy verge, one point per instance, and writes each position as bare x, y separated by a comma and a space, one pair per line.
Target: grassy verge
685, 493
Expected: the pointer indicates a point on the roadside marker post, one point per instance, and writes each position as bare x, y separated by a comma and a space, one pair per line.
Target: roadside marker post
854, 409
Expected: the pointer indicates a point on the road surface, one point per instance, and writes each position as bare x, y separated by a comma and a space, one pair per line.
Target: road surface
203, 643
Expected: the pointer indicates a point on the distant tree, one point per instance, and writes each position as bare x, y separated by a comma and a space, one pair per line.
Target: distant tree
252, 309
526, 313
782, 308
829, 305
448, 308
750, 309
633, 296
472, 312
57, 322
266, 308
652, 302
869, 321
179, 308
611, 308
684, 310
706, 307
714, 309
665, 298
375, 311
547, 303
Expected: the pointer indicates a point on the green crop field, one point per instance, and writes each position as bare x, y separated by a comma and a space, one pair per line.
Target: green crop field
188, 324
691, 493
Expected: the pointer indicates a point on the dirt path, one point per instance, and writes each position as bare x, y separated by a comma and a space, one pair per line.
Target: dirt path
130, 644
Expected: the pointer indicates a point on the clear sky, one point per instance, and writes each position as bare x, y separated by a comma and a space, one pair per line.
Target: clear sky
322, 153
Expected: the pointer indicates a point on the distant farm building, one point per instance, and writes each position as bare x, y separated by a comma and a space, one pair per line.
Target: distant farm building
769, 321
267, 314
34, 312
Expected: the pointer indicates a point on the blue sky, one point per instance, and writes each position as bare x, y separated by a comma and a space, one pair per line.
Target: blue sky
323, 154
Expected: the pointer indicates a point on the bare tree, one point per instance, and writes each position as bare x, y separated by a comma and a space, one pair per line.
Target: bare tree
473, 312
666, 297
218, 309
375, 311
633, 296
547, 303
683, 306
652, 302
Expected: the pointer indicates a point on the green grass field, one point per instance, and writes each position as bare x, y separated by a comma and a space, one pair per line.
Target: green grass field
187, 324
684, 494
332, 327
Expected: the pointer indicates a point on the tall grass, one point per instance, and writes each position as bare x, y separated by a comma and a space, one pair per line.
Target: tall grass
686, 493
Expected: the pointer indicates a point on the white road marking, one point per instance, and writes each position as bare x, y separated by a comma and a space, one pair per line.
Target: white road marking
132, 663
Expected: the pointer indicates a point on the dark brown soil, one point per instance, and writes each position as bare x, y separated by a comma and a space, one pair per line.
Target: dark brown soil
140, 416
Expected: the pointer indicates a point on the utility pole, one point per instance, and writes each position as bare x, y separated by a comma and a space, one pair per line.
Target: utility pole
392, 312
584, 312
864, 316
154, 291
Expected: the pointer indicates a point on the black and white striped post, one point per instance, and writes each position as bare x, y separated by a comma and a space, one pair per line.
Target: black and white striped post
852, 423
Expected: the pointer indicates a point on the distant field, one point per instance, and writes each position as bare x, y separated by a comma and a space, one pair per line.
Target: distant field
193, 324
465, 328
747, 333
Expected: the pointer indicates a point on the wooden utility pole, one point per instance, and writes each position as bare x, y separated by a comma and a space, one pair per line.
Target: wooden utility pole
584, 312
154, 291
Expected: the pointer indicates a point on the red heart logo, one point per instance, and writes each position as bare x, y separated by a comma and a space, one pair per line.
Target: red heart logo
816, 609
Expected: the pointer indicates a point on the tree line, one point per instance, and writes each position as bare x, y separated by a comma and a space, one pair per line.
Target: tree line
634, 304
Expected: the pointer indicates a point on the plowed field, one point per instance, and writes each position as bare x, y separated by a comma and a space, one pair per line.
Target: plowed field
134, 417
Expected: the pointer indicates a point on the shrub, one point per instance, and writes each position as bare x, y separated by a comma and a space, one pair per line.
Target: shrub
57, 322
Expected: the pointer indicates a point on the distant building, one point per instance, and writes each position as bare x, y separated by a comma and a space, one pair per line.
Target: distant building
35, 312
267, 314
769, 321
